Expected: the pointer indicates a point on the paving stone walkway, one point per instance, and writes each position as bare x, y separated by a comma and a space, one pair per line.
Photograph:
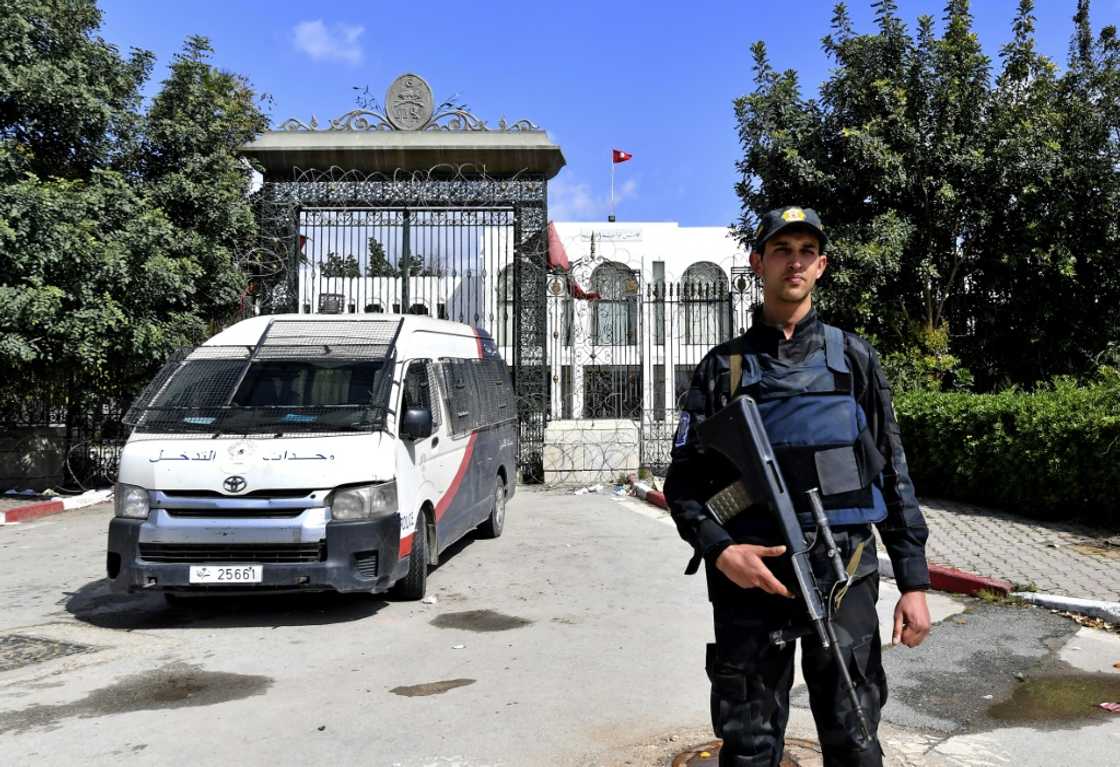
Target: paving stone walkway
1057, 558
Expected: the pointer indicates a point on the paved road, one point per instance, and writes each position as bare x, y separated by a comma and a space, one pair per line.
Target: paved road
571, 640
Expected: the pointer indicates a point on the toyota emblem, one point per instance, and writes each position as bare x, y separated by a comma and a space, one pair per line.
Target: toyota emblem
234, 484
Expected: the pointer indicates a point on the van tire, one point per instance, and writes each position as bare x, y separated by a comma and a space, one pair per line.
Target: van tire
413, 585
492, 527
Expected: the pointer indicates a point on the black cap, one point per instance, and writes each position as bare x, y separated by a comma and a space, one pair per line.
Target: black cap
785, 218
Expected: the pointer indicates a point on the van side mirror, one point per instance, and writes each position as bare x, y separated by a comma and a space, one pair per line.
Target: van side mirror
416, 423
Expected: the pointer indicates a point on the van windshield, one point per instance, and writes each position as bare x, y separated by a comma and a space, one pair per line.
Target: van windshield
301, 375
275, 395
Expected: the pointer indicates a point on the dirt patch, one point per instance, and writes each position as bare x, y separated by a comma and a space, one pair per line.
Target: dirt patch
430, 688
707, 755
479, 620
1103, 550
173, 686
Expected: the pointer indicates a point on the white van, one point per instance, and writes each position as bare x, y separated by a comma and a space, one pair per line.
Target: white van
315, 452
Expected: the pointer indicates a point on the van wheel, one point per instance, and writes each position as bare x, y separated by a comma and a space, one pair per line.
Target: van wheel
413, 585
493, 525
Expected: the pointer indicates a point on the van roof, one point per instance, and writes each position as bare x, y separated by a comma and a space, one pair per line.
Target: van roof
248, 332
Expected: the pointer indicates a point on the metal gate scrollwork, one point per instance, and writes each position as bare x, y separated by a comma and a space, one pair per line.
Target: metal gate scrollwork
448, 242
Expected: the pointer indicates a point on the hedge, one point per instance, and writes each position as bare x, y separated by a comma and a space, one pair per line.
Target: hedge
1053, 453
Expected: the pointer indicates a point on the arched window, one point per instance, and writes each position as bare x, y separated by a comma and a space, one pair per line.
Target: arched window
506, 310
705, 293
615, 316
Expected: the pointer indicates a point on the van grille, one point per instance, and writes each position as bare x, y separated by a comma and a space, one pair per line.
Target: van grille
246, 553
236, 513
282, 492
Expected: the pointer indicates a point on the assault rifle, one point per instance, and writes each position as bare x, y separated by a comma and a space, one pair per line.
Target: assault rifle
737, 433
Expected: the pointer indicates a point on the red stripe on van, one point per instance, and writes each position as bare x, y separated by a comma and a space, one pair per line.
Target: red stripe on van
406, 546
449, 496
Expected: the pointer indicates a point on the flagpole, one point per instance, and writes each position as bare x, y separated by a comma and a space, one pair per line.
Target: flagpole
611, 216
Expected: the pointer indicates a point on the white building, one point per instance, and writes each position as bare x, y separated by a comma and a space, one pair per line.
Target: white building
667, 294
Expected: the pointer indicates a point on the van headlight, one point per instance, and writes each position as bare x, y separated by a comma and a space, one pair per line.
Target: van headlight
130, 502
365, 502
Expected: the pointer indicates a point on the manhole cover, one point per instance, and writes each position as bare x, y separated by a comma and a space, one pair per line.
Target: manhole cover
17, 650
799, 753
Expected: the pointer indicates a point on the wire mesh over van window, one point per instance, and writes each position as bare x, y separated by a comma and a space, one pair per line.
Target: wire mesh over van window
300, 377
462, 403
417, 391
478, 393
296, 383
433, 394
200, 384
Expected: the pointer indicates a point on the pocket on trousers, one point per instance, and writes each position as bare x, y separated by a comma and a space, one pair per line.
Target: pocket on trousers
866, 667
728, 681
729, 689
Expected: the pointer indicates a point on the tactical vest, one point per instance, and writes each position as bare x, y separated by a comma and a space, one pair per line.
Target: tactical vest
818, 431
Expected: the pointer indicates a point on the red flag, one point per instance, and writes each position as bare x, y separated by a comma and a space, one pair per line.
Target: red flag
557, 256
617, 156
579, 293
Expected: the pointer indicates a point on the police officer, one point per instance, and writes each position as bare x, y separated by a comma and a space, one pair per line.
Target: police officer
827, 409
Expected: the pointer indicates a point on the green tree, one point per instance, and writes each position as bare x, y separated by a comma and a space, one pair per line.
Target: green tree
341, 266
379, 265
191, 169
118, 229
971, 218
68, 99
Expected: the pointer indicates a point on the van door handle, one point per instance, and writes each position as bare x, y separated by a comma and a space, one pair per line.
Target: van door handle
435, 441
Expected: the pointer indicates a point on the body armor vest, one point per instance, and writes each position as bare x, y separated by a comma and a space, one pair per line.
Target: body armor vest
818, 431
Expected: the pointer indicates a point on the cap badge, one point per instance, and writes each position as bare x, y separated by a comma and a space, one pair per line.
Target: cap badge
793, 214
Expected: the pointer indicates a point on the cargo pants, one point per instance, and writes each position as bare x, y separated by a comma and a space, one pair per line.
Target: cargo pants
751, 678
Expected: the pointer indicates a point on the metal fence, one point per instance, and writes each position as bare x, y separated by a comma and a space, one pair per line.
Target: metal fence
67, 441
630, 353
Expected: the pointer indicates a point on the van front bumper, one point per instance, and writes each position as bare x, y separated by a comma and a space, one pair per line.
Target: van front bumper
156, 554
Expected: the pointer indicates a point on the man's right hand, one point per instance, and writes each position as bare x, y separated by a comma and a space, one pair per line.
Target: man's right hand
742, 564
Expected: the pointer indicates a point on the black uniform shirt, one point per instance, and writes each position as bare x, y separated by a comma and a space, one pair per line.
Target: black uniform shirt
694, 476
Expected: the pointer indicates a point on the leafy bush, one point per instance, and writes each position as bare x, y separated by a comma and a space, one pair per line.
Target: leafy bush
925, 363
1052, 453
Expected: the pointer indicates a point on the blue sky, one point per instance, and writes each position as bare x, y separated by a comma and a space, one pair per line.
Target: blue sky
656, 79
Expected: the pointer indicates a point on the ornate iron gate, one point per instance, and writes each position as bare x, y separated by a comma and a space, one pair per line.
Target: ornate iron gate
416, 207
449, 243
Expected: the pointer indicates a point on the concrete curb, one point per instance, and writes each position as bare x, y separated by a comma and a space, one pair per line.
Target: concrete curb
942, 578
952, 580
38, 509
1106, 611
960, 582
649, 495
31, 511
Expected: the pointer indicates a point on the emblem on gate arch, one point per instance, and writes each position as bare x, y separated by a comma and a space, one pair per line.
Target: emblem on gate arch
234, 484
408, 102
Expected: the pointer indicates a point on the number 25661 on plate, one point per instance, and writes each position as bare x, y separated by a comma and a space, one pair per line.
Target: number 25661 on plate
226, 573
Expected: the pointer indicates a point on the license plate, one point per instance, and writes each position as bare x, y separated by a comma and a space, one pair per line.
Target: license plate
226, 573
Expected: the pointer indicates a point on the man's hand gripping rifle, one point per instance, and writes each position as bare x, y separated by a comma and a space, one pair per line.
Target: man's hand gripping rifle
737, 433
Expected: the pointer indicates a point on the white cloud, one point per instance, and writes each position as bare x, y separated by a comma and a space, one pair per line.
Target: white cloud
338, 42
571, 200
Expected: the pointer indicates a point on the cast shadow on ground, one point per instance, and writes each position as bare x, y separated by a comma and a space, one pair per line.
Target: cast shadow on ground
95, 603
